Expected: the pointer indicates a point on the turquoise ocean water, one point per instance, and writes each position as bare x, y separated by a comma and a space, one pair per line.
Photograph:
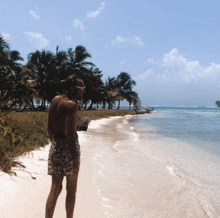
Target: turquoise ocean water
187, 141
162, 164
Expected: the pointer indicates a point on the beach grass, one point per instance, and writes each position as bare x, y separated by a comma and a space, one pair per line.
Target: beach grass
21, 132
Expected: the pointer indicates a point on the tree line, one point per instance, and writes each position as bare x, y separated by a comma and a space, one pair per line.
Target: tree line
34, 84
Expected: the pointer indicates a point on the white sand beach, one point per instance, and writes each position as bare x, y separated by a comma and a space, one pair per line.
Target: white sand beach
105, 189
22, 196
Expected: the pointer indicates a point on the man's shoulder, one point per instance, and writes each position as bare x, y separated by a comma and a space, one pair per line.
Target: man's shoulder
61, 101
69, 104
57, 99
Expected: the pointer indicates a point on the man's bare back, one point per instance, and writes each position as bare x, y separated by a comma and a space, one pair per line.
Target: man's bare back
59, 111
63, 117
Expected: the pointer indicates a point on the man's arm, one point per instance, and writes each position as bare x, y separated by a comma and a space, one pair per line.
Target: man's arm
49, 127
70, 128
52, 112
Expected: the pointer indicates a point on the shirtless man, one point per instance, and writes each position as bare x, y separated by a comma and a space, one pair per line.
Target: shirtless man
64, 155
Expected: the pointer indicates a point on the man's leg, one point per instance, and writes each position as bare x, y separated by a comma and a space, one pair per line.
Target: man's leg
56, 188
71, 186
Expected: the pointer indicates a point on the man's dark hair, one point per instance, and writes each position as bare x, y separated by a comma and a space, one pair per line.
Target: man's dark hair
70, 82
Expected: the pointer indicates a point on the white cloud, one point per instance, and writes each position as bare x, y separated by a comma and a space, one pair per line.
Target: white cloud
178, 81
120, 39
69, 38
135, 40
78, 24
6, 36
189, 71
34, 15
37, 39
150, 61
94, 14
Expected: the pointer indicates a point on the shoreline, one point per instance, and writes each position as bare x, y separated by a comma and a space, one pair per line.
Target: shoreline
29, 132
103, 186
21, 196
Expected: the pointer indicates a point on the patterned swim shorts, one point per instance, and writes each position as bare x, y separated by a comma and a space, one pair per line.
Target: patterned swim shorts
60, 162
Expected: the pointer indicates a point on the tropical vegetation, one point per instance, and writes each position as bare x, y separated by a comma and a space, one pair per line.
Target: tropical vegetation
26, 131
29, 88
34, 84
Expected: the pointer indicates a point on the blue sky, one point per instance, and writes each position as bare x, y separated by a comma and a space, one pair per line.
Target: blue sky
170, 48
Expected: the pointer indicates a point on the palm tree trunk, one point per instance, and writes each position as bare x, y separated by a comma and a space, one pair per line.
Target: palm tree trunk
41, 102
32, 104
25, 105
103, 105
118, 104
85, 106
44, 103
90, 107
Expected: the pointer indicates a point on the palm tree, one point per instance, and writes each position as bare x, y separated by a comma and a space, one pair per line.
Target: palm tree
61, 57
94, 86
44, 66
102, 95
124, 84
4, 71
61, 64
4, 51
110, 85
132, 97
77, 63
10, 70
21, 91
